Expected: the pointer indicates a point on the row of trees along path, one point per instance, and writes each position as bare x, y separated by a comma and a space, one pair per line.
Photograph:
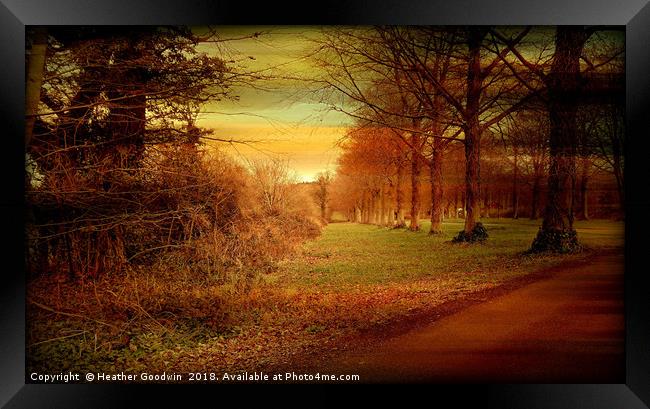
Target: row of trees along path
419, 91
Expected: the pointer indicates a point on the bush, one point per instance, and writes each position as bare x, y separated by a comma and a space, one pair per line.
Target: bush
556, 241
213, 215
479, 233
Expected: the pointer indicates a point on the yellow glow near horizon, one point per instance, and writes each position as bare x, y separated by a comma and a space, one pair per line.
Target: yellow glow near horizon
284, 121
308, 150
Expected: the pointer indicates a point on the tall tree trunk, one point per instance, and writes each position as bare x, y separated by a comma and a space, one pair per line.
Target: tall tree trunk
399, 197
373, 208
365, 211
464, 200
436, 191
357, 214
129, 107
515, 186
34, 80
416, 168
471, 180
473, 132
535, 197
557, 214
557, 233
378, 208
383, 217
498, 205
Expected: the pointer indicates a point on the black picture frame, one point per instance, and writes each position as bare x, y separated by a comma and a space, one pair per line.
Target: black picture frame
633, 14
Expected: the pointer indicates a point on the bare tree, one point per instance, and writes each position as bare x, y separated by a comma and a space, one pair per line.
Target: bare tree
113, 105
322, 194
273, 181
477, 93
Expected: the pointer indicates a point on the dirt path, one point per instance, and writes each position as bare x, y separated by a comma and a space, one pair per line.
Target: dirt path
566, 328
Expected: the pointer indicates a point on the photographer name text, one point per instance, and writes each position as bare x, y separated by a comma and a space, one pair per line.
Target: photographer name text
173, 377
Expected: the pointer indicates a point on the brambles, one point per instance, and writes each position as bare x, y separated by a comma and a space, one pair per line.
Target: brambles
202, 208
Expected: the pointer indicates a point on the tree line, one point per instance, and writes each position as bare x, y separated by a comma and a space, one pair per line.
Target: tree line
545, 102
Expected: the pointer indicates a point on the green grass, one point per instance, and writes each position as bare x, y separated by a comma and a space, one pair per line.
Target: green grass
350, 254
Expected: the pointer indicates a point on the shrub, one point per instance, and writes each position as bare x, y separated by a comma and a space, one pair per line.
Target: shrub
556, 241
479, 233
213, 214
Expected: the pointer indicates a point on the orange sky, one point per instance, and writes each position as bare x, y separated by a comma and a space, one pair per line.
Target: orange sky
284, 120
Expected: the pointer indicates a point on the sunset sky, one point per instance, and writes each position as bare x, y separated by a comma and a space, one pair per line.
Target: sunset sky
284, 120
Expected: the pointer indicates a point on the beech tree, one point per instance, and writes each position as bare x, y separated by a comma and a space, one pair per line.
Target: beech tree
481, 96
567, 87
364, 66
453, 83
372, 161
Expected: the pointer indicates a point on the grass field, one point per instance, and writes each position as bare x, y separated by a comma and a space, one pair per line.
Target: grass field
352, 254
351, 280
